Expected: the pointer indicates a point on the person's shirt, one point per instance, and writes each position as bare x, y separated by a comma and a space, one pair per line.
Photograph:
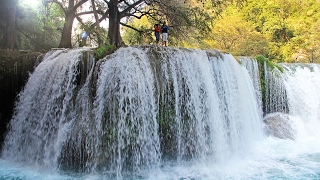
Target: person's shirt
164, 29
158, 28
84, 35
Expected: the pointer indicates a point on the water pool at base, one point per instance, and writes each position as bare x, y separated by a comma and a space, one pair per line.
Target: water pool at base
268, 160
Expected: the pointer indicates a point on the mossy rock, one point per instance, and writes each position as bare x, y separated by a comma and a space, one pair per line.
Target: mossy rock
103, 51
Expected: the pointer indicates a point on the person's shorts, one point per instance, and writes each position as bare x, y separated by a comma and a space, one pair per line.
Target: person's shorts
164, 36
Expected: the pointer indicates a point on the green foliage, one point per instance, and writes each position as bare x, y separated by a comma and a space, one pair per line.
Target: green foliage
281, 30
233, 34
189, 22
33, 34
270, 64
33, 30
145, 35
103, 51
291, 28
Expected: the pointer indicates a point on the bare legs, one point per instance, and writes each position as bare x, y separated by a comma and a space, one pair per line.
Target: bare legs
164, 43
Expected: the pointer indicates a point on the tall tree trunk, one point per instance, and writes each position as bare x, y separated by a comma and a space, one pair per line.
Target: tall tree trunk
65, 41
67, 27
100, 41
9, 37
114, 24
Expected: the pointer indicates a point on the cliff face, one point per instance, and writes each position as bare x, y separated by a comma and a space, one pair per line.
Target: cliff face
15, 67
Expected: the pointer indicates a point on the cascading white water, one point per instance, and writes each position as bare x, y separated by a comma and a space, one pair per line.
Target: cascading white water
206, 119
188, 95
125, 111
42, 114
275, 96
253, 69
150, 113
302, 83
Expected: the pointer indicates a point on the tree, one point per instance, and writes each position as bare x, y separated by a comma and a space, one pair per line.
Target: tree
70, 10
100, 41
139, 35
233, 34
183, 18
8, 12
118, 9
289, 26
190, 20
23, 27
175, 11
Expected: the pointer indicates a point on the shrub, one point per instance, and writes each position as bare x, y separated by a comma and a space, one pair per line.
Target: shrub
103, 51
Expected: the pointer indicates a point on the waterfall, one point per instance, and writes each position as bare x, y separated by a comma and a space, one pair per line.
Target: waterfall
134, 111
252, 66
302, 83
126, 112
275, 91
44, 111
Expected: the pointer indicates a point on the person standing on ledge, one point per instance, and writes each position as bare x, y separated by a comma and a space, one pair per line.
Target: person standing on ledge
84, 35
157, 32
164, 31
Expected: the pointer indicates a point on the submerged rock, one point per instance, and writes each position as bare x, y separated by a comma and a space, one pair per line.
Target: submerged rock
278, 125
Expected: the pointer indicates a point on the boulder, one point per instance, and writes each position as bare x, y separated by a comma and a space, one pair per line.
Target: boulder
279, 125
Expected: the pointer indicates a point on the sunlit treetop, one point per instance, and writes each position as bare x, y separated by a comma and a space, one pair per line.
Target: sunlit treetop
31, 3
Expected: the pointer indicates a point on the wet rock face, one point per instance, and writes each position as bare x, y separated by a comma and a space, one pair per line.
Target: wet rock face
278, 125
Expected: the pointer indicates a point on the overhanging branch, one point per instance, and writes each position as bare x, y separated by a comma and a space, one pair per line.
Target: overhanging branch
59, 4
131, 27
124, 12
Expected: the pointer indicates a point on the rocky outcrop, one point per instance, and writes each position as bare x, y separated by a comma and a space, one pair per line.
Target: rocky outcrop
278, 125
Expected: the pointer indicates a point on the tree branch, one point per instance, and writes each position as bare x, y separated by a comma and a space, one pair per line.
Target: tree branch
59, 3
124, 12
78, 5
80, 20
131, 27
103, 17
84, 13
